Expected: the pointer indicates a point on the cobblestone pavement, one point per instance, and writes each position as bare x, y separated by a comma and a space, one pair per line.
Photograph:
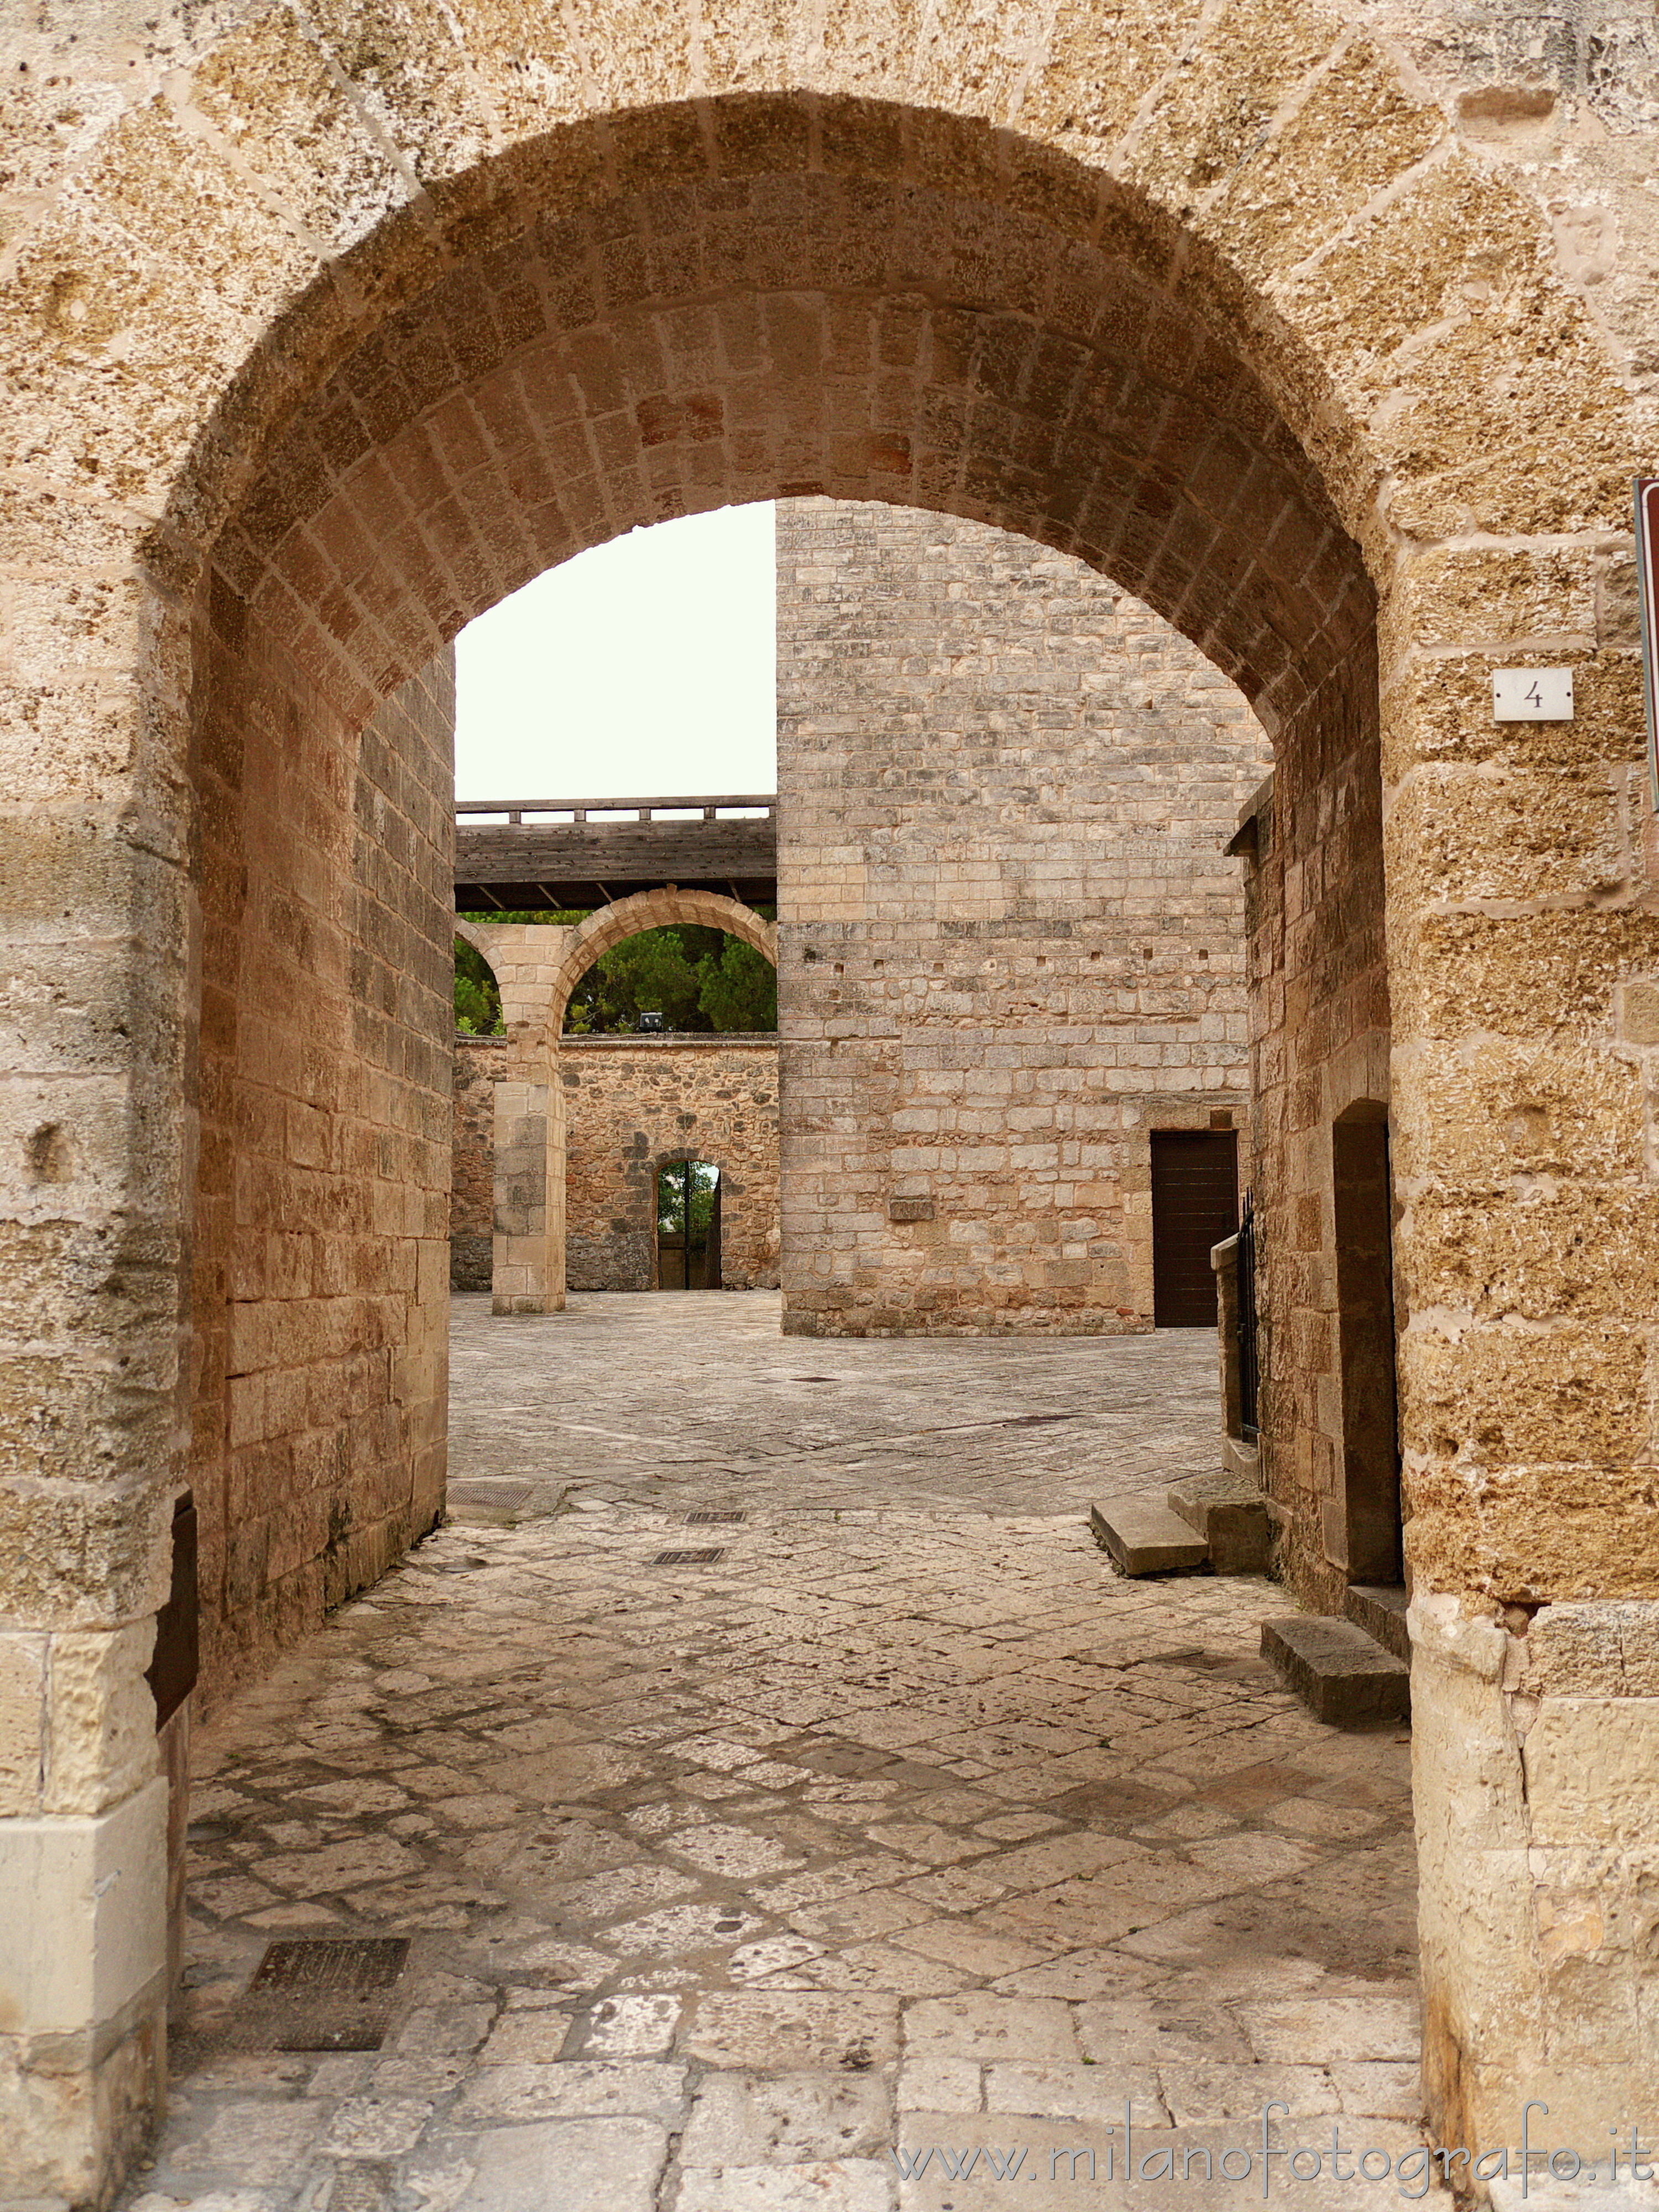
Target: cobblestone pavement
900, 1830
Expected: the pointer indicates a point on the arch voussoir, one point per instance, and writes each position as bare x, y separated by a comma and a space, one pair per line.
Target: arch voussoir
611, 926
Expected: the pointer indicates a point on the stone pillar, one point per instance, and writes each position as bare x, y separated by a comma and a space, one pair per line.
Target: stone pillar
1535, 1742
528, 1271
527, 1266
83, 1947
96, 1149
1523, 940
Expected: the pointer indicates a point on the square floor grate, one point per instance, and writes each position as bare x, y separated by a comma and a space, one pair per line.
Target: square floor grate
713, 1520
330, 1993
485, 1490
705, 1559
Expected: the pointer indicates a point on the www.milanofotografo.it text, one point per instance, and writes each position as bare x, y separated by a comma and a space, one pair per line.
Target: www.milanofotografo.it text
1413, 2173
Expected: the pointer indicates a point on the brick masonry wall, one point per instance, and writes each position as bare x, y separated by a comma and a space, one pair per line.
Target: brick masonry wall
632, 1105
479, 1061
1319, 982
318, 1432
1010, 943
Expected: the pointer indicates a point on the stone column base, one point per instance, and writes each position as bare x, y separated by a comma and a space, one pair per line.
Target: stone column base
83, 1960
1534, 1759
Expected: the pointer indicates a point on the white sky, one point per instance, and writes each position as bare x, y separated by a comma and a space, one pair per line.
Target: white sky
645, 668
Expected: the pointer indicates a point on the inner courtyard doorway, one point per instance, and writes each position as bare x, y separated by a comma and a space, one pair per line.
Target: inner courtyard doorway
687, 1227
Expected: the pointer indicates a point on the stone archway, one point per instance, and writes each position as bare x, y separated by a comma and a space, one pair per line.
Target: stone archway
608, 926
537, 965
320, 357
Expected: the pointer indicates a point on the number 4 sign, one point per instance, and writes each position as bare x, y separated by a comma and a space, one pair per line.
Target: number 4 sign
1531, 695
1647, 579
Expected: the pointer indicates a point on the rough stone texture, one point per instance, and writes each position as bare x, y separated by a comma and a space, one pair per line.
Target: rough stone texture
323, 329
478, 1060
1227, 1511
1320, 1042
908, 1822
632, 1105
320, 1258
1006, 927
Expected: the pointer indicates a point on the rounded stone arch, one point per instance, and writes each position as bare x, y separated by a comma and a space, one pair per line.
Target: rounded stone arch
1066, 363
1242, 316
657, 910
470, 933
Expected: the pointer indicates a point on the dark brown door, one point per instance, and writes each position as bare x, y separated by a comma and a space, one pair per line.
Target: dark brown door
1194, 1205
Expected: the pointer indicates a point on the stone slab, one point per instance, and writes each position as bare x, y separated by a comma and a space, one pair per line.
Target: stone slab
580, 2166
1227, 1511
1380, 1609
1341, 1674
1145, 1538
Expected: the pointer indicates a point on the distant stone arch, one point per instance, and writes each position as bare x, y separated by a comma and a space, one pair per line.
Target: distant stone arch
630, 917
470, 933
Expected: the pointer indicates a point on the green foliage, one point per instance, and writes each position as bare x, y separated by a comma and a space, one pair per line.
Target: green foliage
671, 1199
738, 988
477, 1001
699, 980
642, 973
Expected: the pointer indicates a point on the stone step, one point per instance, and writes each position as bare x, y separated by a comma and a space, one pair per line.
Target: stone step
1229, 1512
1380, 1609
1340, 1673
1145, 1538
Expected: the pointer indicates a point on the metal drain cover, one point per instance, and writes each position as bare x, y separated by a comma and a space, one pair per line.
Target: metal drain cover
690, 1559
485, 1490
713, 1520
326, 1994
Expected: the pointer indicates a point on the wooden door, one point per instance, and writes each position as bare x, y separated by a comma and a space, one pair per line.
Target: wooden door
1194, 1205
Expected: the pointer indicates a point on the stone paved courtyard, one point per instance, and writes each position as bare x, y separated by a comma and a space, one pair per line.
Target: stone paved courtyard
905, 1825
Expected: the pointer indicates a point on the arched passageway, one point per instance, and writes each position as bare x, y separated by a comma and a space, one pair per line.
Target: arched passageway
538, 966
1220, 374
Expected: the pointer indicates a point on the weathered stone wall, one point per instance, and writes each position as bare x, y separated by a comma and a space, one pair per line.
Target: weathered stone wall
1283, 316
1313, 847
1011, 945
320, 1260
479, 1061
632, 1105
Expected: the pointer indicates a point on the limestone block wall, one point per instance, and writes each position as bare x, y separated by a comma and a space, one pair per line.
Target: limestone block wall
632, 1105
319, 346
1312, 843
320, 1260
1010, 944
479, 1061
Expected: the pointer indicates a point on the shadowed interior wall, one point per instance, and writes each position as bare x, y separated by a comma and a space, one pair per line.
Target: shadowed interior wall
1319, 984
321, 1266
1010, 945
479, 1061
